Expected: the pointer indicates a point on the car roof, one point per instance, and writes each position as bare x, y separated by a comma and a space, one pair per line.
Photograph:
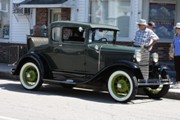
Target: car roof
91, 25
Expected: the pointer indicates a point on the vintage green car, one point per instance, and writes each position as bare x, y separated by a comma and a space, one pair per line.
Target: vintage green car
86, 55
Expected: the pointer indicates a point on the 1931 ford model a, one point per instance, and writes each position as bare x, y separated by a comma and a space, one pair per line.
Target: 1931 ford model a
84, 54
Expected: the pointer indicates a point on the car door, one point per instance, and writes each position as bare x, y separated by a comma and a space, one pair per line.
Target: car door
71, 51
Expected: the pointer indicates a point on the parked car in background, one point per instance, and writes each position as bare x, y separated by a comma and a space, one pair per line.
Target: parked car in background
85, 54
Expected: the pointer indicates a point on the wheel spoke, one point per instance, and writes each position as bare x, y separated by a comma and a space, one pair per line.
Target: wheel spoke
121, 86
30, 76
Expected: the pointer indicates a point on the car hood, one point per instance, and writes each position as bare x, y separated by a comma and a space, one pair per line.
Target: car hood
112, 48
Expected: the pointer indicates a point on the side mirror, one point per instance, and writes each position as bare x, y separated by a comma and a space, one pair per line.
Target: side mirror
90, 41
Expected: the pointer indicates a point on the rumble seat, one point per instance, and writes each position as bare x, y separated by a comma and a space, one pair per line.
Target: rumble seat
36, 41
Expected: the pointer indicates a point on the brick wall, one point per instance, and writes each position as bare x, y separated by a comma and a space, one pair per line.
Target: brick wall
10, 53
4, 53
163, 50
41, 19
41, 16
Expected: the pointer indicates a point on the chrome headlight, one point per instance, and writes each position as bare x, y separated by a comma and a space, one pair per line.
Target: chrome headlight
155, 57
138, 55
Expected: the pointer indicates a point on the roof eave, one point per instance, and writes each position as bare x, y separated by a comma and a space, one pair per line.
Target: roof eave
45, 6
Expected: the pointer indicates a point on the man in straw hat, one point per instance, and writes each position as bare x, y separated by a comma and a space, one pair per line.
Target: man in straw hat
144, 36
176, 44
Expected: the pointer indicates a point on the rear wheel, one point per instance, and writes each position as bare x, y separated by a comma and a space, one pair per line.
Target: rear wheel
30, 76
156, 92
121, 86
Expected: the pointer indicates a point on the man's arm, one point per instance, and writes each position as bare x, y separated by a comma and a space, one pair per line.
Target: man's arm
151, 45
154, 39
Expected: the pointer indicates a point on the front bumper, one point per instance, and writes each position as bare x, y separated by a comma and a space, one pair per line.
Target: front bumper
153, 82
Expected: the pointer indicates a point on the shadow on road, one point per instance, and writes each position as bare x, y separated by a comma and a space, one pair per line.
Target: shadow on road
85, 94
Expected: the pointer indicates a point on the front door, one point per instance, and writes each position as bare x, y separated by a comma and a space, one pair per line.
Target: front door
72, 51
67, 54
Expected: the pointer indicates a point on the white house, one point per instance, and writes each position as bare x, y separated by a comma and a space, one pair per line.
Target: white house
19, 18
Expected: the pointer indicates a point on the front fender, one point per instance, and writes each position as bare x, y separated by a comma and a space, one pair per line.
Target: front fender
159, 67
163, 68
29, 57
121, 65
132, 67
163, 71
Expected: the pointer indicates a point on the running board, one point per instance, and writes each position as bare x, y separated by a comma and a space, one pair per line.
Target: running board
68, 81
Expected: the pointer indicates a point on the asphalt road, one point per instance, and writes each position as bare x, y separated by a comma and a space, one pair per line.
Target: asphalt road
55, 103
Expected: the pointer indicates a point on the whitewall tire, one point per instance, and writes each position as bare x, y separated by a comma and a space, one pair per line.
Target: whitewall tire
121, 86
30, 76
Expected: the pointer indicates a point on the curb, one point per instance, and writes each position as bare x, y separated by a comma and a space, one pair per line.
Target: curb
173, 94
5, 75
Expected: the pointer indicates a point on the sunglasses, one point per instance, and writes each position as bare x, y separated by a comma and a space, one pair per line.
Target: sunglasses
141, 25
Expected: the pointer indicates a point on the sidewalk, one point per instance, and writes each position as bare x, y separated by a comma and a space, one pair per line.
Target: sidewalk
5, 72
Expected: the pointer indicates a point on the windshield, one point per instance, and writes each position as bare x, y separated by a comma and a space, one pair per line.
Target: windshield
102, 35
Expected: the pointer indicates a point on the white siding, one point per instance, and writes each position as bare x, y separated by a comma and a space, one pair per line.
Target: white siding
82, 10
20, 26
135, 16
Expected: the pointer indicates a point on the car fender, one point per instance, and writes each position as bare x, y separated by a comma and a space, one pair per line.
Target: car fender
126, 65
163, 69
29, 57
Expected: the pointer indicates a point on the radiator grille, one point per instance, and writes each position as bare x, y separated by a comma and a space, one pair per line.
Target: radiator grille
144, 64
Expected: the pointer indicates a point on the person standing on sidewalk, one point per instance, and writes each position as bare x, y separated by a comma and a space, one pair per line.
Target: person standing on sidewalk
145, 36
151, 25
176, 44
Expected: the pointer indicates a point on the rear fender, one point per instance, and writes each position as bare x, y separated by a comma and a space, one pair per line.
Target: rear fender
29, 57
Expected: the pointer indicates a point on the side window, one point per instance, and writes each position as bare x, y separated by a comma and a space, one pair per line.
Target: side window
73, 34
56, 34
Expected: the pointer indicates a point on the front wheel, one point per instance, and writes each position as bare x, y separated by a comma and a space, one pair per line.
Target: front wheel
122, 86
30, 76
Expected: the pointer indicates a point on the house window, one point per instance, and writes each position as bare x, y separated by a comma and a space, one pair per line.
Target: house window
58, 14
163, 14
112, 12
4, 19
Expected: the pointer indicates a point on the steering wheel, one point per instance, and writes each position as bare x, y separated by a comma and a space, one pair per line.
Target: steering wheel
103, 39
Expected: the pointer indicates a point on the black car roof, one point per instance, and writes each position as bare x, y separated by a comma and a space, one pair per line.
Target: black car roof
91, 25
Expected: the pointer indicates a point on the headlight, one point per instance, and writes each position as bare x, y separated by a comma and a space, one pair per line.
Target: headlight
138, 55
155, 57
